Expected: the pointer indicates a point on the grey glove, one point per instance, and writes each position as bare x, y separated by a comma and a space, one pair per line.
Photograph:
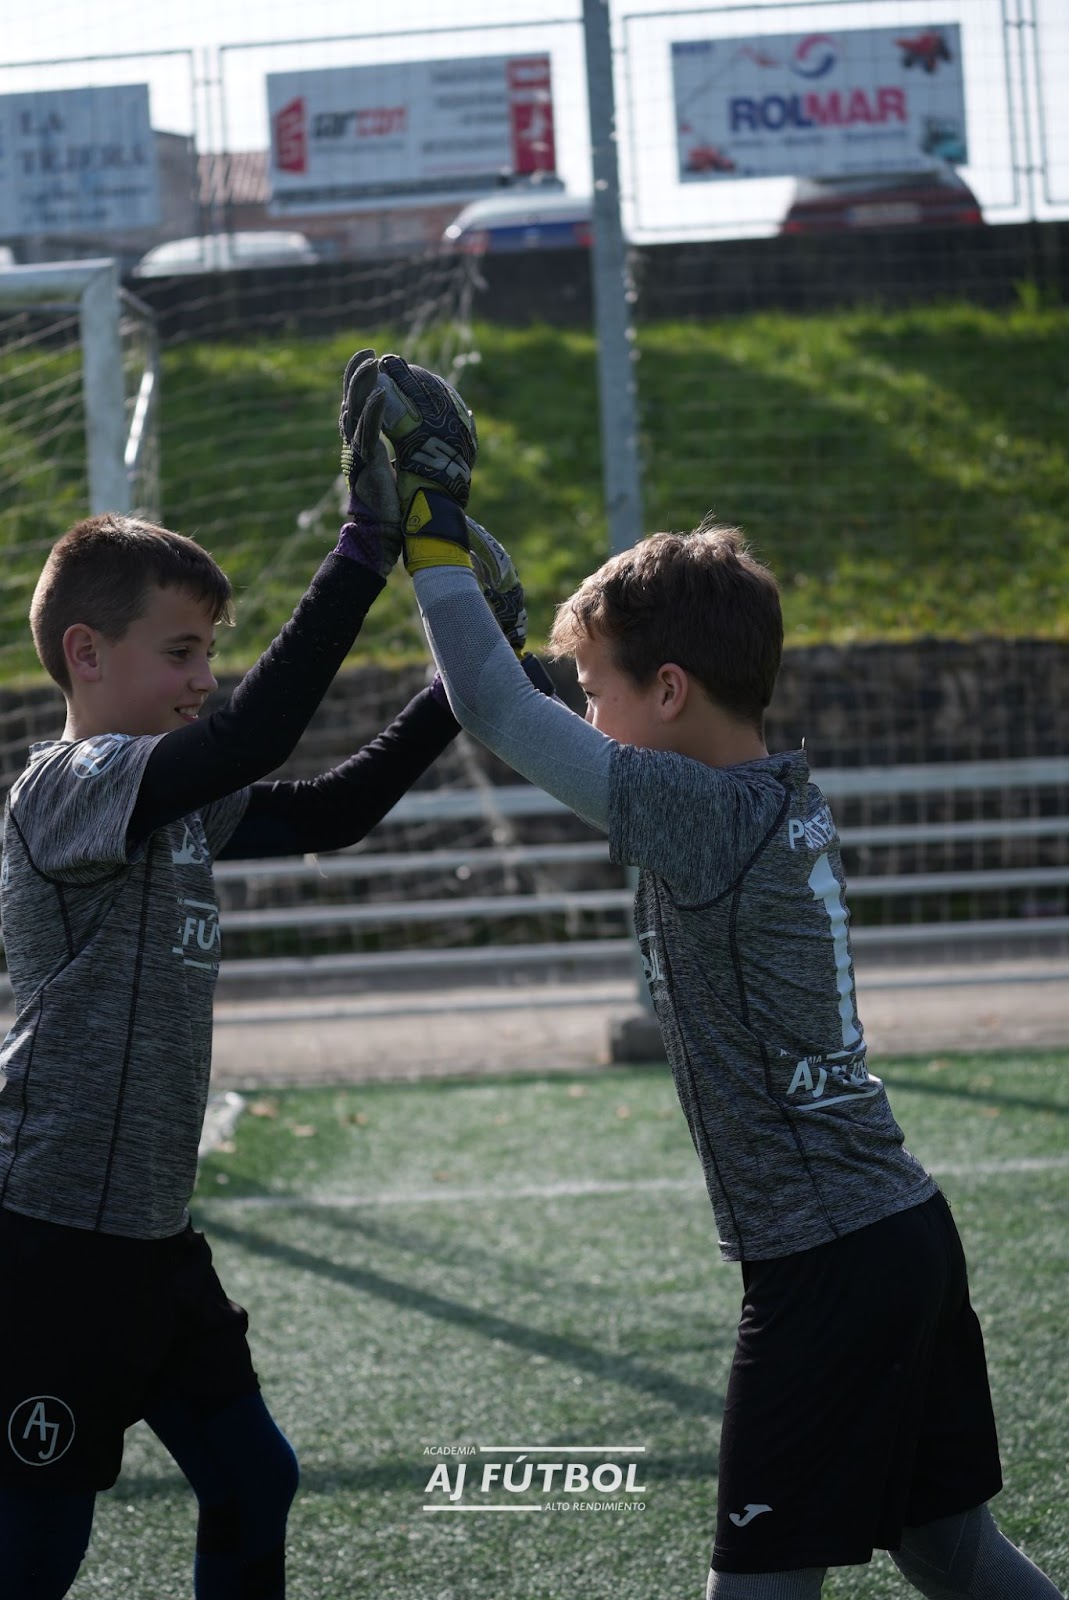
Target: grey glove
503, 592
433, 436
500, 583
374, 508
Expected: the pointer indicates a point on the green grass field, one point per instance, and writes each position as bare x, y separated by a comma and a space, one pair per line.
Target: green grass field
904, 472
533, 1262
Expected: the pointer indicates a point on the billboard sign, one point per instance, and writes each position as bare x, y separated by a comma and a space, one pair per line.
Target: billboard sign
352, 138
825, 105
77, 161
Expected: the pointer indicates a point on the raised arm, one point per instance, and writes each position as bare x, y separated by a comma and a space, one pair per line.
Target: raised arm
261, 723
339, 807
492, 698
448, 556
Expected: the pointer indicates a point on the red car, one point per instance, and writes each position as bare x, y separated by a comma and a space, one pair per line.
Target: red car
932, 199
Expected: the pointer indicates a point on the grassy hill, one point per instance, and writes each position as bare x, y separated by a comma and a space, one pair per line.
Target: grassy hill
904, 473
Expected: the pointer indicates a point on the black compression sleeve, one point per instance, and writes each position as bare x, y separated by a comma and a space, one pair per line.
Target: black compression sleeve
261, 722
342, 805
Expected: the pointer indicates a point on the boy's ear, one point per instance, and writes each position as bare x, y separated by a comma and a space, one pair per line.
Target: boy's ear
673, 691
81, 651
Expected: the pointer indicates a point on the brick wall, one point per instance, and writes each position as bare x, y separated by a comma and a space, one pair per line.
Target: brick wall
931, 700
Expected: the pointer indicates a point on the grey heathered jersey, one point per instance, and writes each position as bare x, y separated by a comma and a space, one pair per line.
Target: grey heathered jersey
742, 923
113, 964
744, 934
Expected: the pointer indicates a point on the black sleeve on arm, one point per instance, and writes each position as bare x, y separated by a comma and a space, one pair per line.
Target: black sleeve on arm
260, 724
342, 805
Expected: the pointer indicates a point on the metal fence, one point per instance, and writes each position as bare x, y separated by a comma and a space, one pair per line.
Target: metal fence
797, 385
210, 113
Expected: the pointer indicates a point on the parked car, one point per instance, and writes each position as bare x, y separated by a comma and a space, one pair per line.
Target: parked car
936, 198
225, 252
528, 219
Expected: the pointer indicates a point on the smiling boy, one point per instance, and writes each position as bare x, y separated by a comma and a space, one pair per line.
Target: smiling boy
153, 678
113, 1310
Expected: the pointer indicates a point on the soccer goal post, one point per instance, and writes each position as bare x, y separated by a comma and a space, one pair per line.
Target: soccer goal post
119, 367
79, 429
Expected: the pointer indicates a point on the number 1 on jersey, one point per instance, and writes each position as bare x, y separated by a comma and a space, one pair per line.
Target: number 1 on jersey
826, 888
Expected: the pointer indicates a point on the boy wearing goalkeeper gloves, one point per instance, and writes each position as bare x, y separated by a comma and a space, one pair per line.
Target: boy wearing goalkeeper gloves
858, 1415
113, 1310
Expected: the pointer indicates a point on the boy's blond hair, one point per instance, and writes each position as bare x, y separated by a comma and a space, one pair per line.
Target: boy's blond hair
700, 600
101, 573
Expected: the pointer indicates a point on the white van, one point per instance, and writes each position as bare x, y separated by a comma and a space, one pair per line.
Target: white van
528, 219
225, 252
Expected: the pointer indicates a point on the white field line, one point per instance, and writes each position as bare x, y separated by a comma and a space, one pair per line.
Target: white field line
444, 1195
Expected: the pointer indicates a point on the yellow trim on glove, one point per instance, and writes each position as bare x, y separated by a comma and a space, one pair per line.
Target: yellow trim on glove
431, 552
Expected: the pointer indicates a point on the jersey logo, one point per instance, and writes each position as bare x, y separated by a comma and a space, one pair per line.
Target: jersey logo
651, 961
740, 1518
93, 755
198, 934
191, 852
817, 831
40, 1430
831, 1079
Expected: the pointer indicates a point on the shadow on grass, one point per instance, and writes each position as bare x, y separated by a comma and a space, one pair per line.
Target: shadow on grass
963, 352
977, 1097
856, 474
609, 1366
467, 1257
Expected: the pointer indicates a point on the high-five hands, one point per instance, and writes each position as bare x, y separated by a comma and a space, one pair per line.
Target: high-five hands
433, 435
374, 505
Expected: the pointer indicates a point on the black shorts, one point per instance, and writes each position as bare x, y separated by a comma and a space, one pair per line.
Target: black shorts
97, 1330
858, 1402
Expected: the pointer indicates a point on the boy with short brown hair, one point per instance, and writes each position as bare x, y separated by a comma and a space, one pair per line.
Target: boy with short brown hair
858, 1414
654, 603
113, 1310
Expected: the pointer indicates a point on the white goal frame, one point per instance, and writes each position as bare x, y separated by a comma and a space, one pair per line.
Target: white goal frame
113, 447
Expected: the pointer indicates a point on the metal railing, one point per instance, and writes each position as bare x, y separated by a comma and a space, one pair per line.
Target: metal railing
478, 911
522, 801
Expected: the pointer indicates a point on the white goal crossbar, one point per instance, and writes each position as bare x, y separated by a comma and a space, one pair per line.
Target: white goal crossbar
113, 446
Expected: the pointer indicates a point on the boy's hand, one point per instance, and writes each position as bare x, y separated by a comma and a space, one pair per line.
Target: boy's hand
434, 439
374, 506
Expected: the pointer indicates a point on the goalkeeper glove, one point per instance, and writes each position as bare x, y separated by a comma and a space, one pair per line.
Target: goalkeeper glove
374, 506
500, 583
435, 443
503, 591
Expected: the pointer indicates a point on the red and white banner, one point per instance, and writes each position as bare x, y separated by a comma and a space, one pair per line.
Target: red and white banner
357, 138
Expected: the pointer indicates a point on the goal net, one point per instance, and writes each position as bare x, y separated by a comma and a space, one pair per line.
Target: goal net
78, 421
238, 447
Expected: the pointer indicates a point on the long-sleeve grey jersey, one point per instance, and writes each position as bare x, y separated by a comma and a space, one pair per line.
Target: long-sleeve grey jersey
742, 923
104, 1075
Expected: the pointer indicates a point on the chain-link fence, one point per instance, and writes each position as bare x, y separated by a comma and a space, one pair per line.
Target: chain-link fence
869, 375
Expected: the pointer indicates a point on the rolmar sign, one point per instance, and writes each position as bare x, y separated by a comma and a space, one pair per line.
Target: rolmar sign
836, 109
819, 104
